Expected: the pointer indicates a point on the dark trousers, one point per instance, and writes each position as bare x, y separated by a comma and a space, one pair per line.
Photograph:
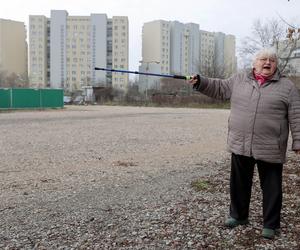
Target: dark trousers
270, 175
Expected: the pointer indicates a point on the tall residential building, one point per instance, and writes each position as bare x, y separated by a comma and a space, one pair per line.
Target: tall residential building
155, 52
13, 48
229, 55
39, 51
184, 49
184, 52
64, 50
156, 44
219, 54
177, 47
207, 53
174, 45
120, 45
191, 49
225, 58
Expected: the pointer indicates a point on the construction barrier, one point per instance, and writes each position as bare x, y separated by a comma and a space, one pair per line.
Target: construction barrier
25, 98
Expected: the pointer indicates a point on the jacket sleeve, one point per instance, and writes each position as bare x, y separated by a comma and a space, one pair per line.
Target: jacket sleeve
294, 116
215, 88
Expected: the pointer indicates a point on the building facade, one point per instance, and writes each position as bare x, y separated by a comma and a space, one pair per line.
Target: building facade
120, 51
230, 59
13, 49
155, 53
225, 58
64, 50
191, 49
156, 44
173, 45
177, 47
184, 49
39, 51
207, 53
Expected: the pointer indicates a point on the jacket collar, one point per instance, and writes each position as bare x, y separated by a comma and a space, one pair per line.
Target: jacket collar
274, 78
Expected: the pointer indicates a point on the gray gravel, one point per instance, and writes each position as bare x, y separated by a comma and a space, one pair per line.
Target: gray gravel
98, 177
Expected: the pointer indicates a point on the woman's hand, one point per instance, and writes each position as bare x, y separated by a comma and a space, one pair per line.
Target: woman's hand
194, 79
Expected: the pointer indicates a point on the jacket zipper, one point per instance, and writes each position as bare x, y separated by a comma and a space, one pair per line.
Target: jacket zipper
254, 120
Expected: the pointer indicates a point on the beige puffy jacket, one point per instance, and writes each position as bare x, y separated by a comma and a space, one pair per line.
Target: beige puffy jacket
260, 116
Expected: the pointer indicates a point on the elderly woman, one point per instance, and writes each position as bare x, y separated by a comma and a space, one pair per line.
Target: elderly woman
264, 105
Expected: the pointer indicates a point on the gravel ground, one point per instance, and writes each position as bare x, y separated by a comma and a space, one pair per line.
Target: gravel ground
97, 177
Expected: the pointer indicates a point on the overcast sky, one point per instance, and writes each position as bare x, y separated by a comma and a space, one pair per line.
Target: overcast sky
234, 17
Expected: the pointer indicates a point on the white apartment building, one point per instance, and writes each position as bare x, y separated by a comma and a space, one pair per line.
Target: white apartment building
155, 52
120, 45
177, 47
38, 52
219, 54
13, 48
207, 53
64, 50
229, 55
191, 49
225, 59
184, 49
156, 44
172, 45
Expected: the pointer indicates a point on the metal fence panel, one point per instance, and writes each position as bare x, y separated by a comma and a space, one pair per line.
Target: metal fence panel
5, 98
52, 98
23, 98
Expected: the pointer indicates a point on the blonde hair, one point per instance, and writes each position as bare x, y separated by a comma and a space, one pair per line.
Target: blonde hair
268, 52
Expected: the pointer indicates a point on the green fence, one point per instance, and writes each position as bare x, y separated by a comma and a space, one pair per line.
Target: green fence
24, 98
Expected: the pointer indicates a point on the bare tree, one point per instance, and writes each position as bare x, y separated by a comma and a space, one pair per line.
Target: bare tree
172, 86
270, 34
13, 80
3, 76
212, 70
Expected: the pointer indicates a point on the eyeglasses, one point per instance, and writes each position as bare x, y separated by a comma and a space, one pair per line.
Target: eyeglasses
265, 59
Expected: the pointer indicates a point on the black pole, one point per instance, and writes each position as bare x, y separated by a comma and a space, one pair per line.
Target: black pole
144, 73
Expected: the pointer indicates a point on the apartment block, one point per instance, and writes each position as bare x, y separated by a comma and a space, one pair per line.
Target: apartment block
172, 45
225, 59
39, 56
64, 50
176, 47
184, 52
156, 44
13, 48
207, 53
191, 49
230, 59
120, 49
155, 52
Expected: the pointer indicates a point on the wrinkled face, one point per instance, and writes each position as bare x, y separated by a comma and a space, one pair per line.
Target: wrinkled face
265, 65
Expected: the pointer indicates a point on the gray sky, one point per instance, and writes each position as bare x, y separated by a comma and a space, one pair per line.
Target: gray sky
229, 16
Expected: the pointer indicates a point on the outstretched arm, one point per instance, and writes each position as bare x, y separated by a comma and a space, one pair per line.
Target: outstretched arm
213, 87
